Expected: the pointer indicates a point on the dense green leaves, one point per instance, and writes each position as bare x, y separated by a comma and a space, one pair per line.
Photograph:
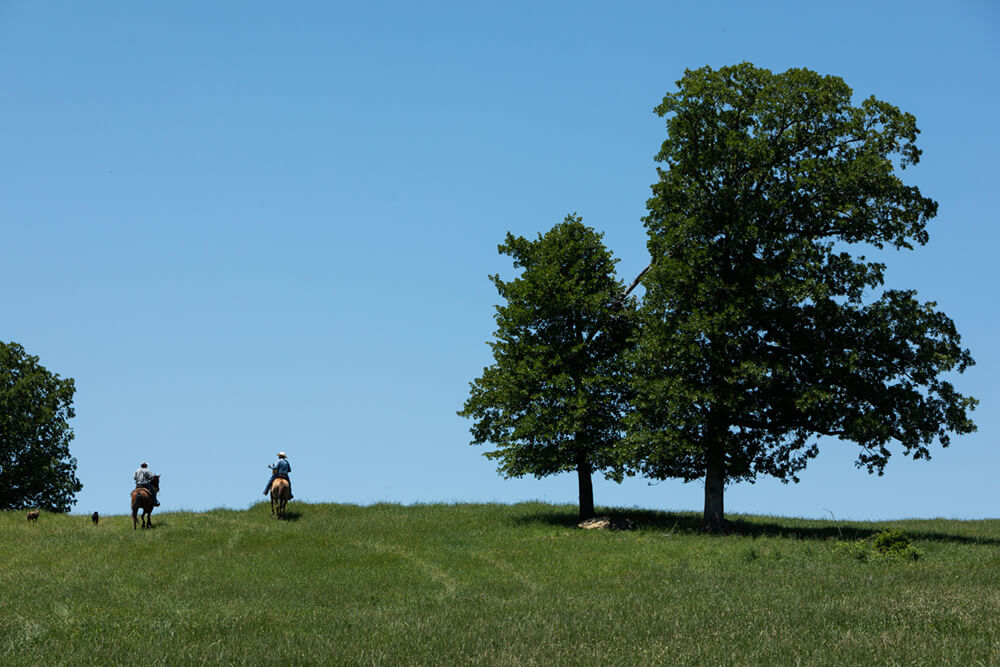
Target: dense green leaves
555, 395
761, 330
36, 469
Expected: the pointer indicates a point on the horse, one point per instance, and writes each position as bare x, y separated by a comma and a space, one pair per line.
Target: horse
281, 492
142, 498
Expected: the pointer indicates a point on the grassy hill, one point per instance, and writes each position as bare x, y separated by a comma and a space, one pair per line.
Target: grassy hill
490, 584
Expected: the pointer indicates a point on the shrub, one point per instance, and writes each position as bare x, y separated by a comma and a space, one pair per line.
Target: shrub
890, 544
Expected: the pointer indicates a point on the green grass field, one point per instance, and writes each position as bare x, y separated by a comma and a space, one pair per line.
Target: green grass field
489, 584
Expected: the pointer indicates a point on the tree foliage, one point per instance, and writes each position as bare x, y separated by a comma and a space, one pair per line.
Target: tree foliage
761, 331
554, 398
36, 469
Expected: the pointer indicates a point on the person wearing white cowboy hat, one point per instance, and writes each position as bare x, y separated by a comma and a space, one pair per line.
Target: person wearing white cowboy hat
143, 476
280, 468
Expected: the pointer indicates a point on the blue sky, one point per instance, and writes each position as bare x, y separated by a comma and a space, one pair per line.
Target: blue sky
250, 227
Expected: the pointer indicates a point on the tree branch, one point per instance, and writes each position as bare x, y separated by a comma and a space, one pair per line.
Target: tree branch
618, 301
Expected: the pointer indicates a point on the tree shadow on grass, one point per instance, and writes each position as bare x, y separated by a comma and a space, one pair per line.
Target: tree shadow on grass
935, 536
800, 529
804, 529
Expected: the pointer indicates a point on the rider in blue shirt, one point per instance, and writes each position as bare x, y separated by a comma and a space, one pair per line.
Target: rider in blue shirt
280, 468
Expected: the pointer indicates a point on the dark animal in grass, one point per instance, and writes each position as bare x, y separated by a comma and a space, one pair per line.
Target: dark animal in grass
281, 492
143, 499
95, 517
33, 515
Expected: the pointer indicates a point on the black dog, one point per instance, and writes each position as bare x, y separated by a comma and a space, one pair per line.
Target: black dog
94, 517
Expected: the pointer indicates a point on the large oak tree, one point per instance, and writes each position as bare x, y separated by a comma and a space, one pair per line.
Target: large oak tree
764, 330
554, 398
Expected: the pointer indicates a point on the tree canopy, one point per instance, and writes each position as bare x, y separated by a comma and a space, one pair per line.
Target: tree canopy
36, 469
554, 398
761, 331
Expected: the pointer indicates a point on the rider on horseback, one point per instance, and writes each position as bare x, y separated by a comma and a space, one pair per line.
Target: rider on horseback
280, 468
143, 478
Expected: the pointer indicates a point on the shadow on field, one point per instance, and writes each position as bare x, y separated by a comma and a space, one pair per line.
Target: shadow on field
291, 515
934, 536
801, 529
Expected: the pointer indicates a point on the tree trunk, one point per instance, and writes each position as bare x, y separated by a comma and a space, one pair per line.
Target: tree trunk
583, 473
713, 520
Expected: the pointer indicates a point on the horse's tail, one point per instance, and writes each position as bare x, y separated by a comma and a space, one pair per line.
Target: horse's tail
280, 492
281, 489
140, 494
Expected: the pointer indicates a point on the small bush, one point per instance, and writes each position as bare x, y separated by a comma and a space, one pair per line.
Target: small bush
895, 542
890, 544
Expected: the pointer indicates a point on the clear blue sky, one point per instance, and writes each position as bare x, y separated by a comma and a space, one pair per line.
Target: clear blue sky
256, 226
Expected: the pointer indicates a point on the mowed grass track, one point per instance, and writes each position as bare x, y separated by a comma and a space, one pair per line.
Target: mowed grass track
488, 584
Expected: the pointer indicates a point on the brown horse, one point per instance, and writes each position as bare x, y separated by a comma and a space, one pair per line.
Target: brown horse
281, 493
143, 499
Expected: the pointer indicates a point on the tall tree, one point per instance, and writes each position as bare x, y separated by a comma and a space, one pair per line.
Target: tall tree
36, 469
554, 398
762, 333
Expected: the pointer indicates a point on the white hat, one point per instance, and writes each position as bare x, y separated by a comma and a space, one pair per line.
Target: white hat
281, 455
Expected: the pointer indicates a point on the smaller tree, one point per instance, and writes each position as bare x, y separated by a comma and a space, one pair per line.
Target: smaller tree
554, 399
36, 469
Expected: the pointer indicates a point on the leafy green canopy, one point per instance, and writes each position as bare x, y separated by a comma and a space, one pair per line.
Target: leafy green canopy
36, 469
554, 397
761, 331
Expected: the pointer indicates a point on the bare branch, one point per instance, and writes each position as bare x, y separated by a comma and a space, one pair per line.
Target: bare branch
620, 299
